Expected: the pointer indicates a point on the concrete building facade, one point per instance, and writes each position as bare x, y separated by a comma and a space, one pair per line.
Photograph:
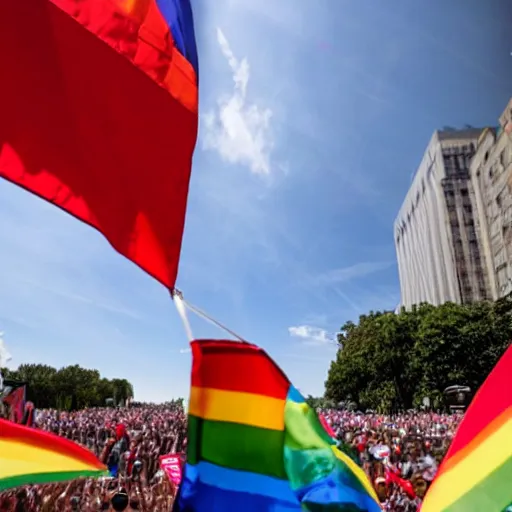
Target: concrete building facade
437, 234
491, 176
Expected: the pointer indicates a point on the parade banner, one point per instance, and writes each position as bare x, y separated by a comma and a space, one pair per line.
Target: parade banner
171, 465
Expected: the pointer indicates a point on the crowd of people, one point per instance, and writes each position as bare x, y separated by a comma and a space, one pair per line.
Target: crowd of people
129, 441
399, 453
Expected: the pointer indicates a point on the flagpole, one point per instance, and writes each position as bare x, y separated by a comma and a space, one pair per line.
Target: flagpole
182, 305
177, 297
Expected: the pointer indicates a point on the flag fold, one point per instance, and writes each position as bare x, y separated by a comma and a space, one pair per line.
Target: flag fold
30, 456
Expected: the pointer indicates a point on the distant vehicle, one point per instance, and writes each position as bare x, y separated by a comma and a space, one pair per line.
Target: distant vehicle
457, 397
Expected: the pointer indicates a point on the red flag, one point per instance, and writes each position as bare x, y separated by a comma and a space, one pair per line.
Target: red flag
99, 116
405, 485
16, 402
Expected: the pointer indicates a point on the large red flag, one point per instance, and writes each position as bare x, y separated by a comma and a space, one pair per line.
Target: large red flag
98, 103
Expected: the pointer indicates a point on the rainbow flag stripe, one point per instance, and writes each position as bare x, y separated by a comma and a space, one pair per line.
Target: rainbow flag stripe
255, 445
476, 473
30, 456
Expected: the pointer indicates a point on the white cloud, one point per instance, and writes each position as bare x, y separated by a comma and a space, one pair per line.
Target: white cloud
238, 130
311, 335
185, 350
5, 357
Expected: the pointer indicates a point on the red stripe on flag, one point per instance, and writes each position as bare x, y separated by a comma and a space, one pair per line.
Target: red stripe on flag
492, 399
82, 127
235, 366
326, 426
47, 441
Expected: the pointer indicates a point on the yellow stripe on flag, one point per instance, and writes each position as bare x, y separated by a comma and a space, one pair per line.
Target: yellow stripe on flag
453, 483
17, 458
136, 8
358, 472
237, 407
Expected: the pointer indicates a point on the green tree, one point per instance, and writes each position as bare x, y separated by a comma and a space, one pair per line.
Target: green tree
41, 382
122, 390
391, 361
68, 388
316, 402
105, 390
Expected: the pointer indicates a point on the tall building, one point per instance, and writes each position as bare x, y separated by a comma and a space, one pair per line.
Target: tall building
437, 234
491, 176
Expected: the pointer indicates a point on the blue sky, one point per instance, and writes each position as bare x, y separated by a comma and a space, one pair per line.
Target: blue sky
314, 116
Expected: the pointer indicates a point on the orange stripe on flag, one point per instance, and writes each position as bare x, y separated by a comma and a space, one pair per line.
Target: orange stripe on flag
477, 440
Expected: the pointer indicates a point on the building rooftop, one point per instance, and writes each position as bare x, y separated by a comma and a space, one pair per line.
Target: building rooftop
464, 133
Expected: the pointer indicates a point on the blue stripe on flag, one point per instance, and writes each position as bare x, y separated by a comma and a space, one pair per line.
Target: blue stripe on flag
295, 396
333, 491
178, 15
240, 481
200, 497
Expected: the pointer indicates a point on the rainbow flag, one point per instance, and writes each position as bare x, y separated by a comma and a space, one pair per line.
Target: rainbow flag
254, 445
476, 473
30, 456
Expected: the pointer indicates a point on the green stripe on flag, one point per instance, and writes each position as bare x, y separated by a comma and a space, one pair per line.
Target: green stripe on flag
303, 428
45, 478
491, 494
236, 446
308, 466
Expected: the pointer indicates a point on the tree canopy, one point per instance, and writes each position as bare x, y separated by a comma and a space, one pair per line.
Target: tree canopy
319, 402
69, 388
391, 361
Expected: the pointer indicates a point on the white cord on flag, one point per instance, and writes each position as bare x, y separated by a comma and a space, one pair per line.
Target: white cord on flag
180, 306
178, 296
212, 320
